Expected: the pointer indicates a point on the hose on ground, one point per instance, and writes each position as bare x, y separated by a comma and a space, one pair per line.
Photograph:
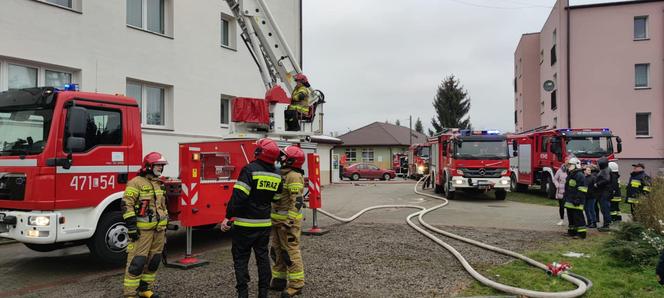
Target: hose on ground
583, 284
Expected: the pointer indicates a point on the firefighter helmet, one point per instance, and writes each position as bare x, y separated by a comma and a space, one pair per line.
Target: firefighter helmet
151, 159
613, 166
300, 77
574, 161
293, 157
267, 150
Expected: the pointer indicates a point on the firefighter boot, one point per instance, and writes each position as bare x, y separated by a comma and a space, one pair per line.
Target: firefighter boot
290, 292
148, 294
278, 284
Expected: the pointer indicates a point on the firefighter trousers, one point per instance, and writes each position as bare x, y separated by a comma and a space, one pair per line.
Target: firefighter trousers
286, 247
615, 209
245, 240
577, 222
143, 258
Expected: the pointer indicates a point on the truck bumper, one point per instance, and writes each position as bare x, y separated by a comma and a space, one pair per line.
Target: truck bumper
17, 225
460, 182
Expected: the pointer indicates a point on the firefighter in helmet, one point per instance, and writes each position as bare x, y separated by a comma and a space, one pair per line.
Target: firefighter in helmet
299, 103
575, 195
146, 216
253, 193
616, 196
288, 270
638, 186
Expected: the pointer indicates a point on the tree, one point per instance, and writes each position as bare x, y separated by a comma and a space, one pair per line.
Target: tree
452, 104
418, 126
397, 123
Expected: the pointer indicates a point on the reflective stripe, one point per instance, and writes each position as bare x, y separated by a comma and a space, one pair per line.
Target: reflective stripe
276, 197
294, 187
299, 108
572, 183
295, 215
583, 188
252, 223
151, 225
260, 173
148, 277
277, 274
571, 206
581, 230
131, 191
278, 216
243, 187
159, 192
615, 212
128, 214
646, 188
296, 275
635, 183
616, 199
632, 201
132, 282
163, 222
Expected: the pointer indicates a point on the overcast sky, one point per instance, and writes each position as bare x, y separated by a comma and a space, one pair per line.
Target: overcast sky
379, 60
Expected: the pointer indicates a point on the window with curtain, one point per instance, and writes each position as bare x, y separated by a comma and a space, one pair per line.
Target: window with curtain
641, 75
225, 33
154, 108
21, 76
56, 79
225, 111
643, 124
149, 15
640, 27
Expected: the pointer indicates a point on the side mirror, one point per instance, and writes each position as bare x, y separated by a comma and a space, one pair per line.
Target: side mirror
515, 146
619, 141
77, 123
75, 144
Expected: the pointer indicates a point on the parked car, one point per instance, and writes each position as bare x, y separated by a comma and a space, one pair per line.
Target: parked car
367, 171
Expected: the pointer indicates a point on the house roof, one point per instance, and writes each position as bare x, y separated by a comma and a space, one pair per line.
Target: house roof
381, 134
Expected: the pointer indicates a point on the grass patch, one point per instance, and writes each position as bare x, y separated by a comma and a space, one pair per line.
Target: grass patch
610, 278
535, 196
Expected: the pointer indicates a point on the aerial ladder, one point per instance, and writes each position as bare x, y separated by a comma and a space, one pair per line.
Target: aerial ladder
277, 66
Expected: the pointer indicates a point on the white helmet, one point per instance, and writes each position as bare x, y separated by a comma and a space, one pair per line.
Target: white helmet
613, 166
574, 161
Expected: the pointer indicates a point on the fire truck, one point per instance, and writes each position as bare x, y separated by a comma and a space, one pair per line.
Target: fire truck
400, 164
66, 155
418, 160
470, 160
539, 153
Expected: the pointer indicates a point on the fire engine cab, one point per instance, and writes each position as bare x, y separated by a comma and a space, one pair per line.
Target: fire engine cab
418, 160
470, 160
539, 153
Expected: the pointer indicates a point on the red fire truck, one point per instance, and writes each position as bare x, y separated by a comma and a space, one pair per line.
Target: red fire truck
539, 153
418, 160
400, 164
470, 160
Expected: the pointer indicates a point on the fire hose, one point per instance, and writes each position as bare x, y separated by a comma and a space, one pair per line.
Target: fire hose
583, 284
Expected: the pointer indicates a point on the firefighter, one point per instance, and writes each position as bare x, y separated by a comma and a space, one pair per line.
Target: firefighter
299, 103
615, 196
638, 185
575, 195
287, 225
146, 216
256, 187
605, 192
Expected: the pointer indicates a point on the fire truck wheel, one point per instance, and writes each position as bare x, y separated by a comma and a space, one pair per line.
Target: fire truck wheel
386, 177
548, 187
44, 247
355, 177
446, 189
110, 240
501, 194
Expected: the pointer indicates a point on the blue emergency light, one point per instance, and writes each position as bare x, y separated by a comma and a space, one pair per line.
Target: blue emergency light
70, 87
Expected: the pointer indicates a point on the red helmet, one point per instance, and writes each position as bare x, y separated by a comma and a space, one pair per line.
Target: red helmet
301, 78
267, 150
293, 157
153, 158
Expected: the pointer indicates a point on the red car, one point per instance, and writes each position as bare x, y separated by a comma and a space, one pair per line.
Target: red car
368, 171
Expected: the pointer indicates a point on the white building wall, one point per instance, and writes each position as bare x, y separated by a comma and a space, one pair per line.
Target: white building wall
102, 52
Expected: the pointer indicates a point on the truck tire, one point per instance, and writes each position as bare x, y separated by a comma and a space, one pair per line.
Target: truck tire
446, 188
515, 186
355, 177
501, 194
44, 247
548, 187
109, 242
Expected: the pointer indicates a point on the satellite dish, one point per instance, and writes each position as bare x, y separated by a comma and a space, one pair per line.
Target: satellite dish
549, 85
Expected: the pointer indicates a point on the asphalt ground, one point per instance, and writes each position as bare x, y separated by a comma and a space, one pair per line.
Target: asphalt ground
376, 256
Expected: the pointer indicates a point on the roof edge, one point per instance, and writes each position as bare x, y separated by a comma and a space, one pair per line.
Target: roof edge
606, 4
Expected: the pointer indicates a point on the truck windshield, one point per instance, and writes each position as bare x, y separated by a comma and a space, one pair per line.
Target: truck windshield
423, 152
481, 150
24, 132
589, 146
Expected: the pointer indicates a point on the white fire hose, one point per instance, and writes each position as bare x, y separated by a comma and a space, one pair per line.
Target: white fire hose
583, 284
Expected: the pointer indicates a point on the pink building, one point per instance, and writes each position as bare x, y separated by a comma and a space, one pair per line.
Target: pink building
607, 65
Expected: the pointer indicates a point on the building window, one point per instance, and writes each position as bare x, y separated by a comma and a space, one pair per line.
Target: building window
351, 155
367, 155
640, 27
515, 85
104, 128
56, 79
541, 57
555, 122
149, 15
73, 5
642, 124
554, 58
65, 3
152, 101
554, 100
225, 110
641, 75
227, 31
21, 76
515, 117
555, 37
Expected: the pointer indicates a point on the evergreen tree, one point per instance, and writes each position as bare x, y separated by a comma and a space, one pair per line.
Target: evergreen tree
397, 123
452, 104
418, 126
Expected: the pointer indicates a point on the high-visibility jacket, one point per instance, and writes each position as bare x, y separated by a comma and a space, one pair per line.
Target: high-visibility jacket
638, 184
145, 200
575, 190
300, 99
289, 201
253, 194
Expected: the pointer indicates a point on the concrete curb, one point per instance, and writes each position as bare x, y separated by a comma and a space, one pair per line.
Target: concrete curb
5, 241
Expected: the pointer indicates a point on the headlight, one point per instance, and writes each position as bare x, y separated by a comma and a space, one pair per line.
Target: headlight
458, 181
420, 169
39, 221
459, 172
504, 182
503, 173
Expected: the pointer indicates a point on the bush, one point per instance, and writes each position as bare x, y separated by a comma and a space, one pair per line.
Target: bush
650, 211
634, 245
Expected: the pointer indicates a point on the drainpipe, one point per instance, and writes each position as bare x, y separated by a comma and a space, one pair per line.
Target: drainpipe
331, 157
569, 87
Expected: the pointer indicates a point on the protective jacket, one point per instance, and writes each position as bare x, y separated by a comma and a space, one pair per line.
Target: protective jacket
638, 184
575, 189
253, 194
300, 99
144, 203
287, 207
